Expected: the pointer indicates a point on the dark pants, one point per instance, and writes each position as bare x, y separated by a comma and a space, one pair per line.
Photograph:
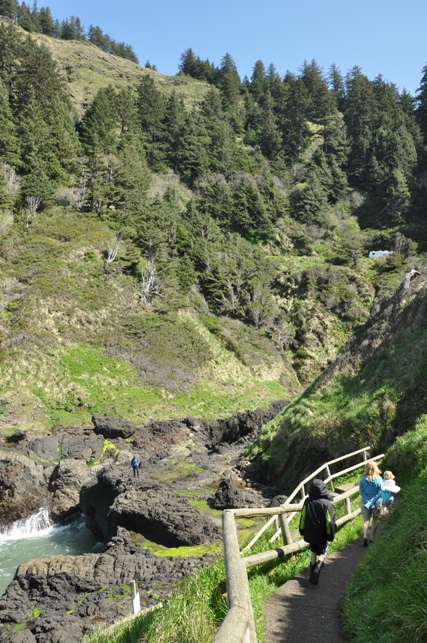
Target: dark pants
135, 471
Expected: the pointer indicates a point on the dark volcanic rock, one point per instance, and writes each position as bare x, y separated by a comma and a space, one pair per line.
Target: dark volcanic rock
229, 496
111, 427
23, 487
115, 499
65, 484
77, 593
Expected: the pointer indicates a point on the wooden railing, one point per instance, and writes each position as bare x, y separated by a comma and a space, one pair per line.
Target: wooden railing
238, 625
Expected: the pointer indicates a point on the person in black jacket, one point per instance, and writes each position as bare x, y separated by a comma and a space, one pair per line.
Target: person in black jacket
317, 526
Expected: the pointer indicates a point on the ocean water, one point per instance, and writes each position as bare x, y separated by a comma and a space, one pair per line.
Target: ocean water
37, 537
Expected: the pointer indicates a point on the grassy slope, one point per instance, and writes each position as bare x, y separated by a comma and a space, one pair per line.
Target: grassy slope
86, 69
78, 342
375, 390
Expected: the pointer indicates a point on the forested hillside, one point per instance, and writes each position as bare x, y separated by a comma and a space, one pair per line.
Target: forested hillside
197, 244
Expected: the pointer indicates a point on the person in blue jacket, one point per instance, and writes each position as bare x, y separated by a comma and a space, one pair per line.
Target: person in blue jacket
317, 525
135, 464
371, 492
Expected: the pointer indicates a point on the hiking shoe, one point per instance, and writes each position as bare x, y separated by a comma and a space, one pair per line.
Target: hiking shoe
314, 578
371, 540
365, 542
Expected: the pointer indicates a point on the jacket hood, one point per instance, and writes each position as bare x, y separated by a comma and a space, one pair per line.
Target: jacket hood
318, 489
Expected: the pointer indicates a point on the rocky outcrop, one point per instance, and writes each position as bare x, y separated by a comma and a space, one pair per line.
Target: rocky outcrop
114, 500
77, 593
74, 594
23, 487
65, 484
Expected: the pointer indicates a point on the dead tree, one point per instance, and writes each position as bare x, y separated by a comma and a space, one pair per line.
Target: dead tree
33, 204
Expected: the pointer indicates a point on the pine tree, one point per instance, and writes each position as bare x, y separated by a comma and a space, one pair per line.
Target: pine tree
46, 23
98, 125
359, 119
293, 112
259, 80
9, 8
421, 103
151, 106
174, 124
228, 80
9, 143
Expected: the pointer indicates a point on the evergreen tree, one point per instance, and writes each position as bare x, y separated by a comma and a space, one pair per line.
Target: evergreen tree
72, 29
46, 24
193, 155
228, 80
9, 144
317, 89
174, 124
97, 37
151, 106
259, 82
189, 64
9, 9
421, 103
214, 198
98, 125
127, 118
336, 84
359, 119
293, 111
25, 18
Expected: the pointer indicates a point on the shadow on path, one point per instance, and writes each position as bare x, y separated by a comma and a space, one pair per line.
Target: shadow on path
299, 612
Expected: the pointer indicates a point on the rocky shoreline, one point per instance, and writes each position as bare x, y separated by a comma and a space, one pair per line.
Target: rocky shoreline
181, 460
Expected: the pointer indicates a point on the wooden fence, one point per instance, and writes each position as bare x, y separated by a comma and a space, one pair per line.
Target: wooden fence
238, 625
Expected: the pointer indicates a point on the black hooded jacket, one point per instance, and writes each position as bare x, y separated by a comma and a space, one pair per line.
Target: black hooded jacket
317, 522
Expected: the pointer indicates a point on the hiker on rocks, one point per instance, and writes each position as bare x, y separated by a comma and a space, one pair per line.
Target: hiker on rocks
371, 498
389, 488
317, 526
135, 464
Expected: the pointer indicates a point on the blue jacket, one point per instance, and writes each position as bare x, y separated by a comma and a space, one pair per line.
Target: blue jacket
371, 492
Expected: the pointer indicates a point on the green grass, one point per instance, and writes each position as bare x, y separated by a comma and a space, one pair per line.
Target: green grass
198, 606
363, 403
386, 600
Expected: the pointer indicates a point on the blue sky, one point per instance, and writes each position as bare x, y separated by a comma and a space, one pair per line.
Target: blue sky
386, 37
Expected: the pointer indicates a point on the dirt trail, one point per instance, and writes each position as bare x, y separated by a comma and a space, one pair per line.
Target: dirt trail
300, 612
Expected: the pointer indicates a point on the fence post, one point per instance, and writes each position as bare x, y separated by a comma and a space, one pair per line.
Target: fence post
286, 532
347, 506
136, 604
328, 475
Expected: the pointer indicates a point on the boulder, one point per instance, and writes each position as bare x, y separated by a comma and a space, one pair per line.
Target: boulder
23, 486
111, 427
115, 499
65, 484
230, 496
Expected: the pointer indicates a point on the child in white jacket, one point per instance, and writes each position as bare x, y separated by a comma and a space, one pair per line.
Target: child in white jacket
389, 488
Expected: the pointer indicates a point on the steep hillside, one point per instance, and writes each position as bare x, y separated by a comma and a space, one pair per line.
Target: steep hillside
375, 391
86, 69
169, 246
